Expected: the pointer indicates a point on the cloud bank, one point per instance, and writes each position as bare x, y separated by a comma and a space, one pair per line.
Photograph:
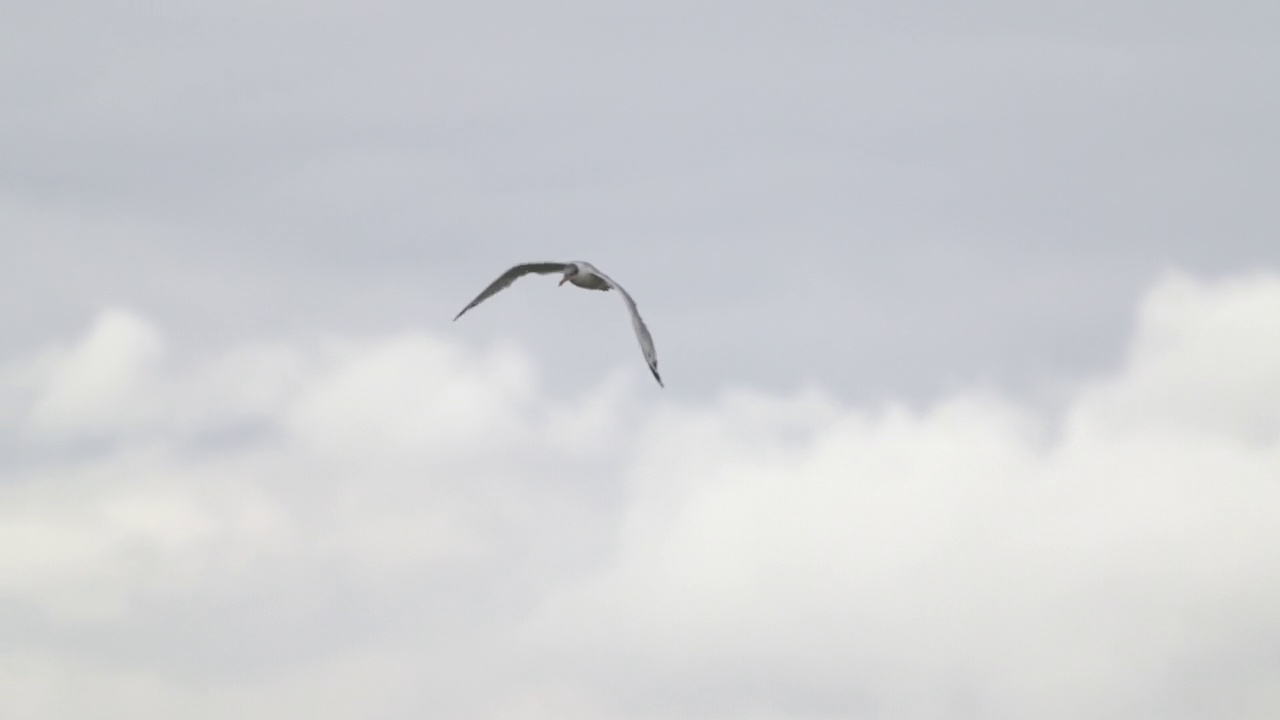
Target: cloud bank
404, 526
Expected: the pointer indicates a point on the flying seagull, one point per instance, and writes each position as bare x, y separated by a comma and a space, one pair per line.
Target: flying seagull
584, 275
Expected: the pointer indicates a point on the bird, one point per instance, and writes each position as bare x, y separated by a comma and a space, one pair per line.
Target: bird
584, 275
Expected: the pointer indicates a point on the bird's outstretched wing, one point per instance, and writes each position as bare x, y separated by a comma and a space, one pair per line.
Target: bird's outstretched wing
509, 277
642, 332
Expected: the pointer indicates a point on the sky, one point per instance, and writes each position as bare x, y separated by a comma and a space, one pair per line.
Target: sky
968, 315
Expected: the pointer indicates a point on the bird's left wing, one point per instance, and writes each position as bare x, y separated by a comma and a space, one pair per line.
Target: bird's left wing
642, 332
511, 276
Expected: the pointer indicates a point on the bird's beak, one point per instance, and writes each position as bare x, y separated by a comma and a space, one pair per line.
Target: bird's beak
563, 280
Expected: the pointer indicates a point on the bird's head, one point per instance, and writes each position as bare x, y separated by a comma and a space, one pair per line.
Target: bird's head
570, 270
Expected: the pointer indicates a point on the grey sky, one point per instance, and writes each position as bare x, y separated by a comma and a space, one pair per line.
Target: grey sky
256, 471
901, 196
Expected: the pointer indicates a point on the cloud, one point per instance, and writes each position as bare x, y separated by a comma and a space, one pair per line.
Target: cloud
401, 526
1204, 360
95, 385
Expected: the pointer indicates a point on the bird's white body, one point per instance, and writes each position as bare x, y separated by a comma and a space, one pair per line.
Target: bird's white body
588, 277
584, 275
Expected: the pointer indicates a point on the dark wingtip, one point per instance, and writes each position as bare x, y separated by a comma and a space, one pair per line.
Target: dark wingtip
656, 376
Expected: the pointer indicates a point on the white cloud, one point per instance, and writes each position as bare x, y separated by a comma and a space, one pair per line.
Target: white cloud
96, 385
404, 527
1204, 360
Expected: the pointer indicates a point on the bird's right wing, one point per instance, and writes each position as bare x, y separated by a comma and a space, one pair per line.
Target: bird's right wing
642, 332
509, 277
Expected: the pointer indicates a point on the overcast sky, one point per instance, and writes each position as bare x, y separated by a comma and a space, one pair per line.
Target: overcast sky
969, 316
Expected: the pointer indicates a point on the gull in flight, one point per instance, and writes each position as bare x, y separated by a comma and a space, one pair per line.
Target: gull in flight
584, 275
